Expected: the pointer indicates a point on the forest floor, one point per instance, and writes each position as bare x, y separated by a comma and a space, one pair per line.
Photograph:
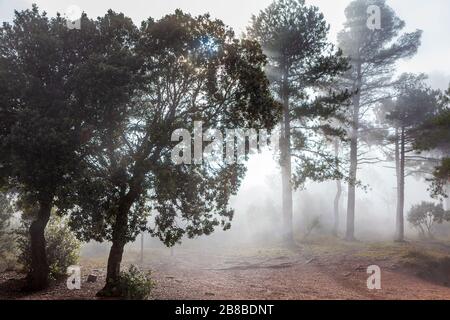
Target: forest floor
320, 269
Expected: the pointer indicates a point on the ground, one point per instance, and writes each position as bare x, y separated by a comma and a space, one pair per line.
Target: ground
320, 269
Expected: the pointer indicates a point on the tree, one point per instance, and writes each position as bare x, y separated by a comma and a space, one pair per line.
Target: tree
414, 104
62, 248
434, 135
52, 81
302, 64
373, 55
425, 216
193, 69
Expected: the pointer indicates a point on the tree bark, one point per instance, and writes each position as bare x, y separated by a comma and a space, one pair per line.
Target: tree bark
37, 278
351, 200
337, 201
142, 249
337, 198
286, 165
447, 200
400, 161
118, 243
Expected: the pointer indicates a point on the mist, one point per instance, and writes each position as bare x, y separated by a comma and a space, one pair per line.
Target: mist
93, 203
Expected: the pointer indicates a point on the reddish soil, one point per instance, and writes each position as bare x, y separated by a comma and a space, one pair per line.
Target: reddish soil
298, 274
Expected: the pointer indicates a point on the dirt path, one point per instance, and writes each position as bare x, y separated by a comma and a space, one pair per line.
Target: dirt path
290, 277
266, 275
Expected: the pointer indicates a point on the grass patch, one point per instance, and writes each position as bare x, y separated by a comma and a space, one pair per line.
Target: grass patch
430, 265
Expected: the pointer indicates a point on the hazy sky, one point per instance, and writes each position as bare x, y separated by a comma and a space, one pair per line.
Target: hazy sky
432, 16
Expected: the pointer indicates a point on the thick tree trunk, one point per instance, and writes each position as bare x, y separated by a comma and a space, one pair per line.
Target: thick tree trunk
113, 269
116, 253
38, 276
400, 161
337, 199
286, 166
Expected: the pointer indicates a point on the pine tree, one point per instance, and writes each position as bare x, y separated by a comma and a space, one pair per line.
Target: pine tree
302, 66
413, 106
373, 55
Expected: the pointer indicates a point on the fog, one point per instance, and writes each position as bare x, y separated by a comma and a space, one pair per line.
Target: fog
258, 203
258, 210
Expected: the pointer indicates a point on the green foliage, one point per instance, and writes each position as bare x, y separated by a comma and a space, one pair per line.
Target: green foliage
416, 103
7, 245
414, 106
135, 284
440, 180
193, 69
434, 135
40, 117
62, 247
58, 86
372, 55
424, 216
51, 97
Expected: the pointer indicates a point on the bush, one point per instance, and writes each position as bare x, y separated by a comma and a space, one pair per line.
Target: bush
7, 250
135, 284
313, 223
425, 216
62, 247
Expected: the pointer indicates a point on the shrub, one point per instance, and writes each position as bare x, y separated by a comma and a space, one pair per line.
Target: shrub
7, 252
313, 223
62, 247
424, 216
135, 284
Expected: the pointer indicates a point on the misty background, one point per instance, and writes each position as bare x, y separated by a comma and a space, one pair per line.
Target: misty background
260, 194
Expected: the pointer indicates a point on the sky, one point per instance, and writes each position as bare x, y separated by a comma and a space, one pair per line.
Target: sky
431, 16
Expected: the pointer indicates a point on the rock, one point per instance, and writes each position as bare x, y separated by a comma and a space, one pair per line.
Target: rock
92, 278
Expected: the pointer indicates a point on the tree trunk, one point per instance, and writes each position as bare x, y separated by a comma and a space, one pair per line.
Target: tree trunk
38, 276
142, 249
113, 269
351, 201
400, 161
337, 199
287, 202
447, 200
116, 253
286, 166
